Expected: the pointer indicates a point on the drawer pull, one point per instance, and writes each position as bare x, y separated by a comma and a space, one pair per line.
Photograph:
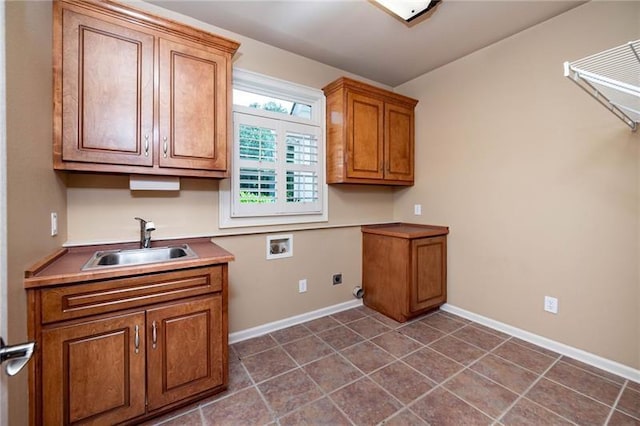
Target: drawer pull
136, 339
154, 334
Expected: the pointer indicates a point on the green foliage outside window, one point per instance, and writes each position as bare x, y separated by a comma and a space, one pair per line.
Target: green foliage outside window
260, 144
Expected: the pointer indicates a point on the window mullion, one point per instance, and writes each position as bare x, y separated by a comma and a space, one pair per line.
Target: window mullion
281, 173
269, 148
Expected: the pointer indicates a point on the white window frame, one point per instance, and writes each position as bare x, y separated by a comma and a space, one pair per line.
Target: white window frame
268, 86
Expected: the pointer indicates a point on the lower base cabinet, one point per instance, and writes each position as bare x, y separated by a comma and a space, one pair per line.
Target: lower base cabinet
127, 365
91, 371
404, 268
185, 357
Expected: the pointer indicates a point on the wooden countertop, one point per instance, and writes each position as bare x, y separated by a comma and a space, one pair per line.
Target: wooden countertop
65, 265
406, 230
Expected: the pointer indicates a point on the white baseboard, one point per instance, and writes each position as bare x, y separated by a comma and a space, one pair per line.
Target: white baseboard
586, 357
260, 330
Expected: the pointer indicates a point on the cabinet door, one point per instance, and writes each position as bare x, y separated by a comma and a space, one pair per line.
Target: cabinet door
365, 137
429, 273
386, 274
185, 350
399, 146
94, 372
193, 107
107, 92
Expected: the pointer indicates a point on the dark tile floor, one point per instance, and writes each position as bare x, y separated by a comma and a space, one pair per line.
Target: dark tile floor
358, 367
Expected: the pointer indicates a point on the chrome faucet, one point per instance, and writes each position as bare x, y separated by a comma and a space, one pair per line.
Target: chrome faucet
145, 232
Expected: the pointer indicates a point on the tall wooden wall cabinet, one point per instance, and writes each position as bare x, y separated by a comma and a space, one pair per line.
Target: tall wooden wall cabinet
404, 268
370, 134
135, 93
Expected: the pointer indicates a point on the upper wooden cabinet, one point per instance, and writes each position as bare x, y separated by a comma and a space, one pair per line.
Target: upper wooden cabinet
134, 93
370, 134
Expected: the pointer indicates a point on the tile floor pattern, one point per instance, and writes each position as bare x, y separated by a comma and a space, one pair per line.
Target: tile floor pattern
359, 367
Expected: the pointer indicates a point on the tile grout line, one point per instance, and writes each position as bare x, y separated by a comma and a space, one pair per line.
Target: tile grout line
202, 418
401, 359
615, 403
554, 360
593, 399
339, 323
442, 383
340, 353
298, 367
464, 367
395, 359
526, 391
364, 375
468, 367
323, 393
593, 373
176, 416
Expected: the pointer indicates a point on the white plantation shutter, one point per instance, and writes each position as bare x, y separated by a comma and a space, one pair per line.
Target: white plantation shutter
277, 174
277, 167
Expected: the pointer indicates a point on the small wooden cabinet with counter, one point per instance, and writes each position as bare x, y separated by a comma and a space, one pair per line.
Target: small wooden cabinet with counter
118, 345
404, 268
370, 134
139, 94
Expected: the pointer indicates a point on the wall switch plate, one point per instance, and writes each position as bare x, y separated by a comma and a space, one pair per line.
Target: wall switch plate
551, 304
302, 286
54, 224
337, 279
417, 209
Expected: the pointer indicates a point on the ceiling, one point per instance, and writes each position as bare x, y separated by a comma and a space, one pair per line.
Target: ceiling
356, 36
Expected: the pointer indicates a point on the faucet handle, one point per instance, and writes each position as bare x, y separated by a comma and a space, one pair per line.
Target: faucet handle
146, 225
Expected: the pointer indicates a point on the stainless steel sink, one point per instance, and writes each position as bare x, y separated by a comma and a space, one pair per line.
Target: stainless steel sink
111, 258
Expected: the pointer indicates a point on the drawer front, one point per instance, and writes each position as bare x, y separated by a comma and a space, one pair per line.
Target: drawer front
81, 300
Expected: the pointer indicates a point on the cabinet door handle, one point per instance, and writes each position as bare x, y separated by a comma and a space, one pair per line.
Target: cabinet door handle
146, 145
154, 334
136, 338
164, 146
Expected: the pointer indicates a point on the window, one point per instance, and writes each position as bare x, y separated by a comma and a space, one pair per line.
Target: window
278, 154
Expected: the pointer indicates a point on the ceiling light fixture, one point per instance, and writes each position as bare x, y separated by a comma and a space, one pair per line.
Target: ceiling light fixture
407, 10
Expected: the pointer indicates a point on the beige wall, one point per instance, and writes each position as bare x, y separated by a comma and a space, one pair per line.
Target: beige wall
33, 189
538, 183
269, 292
101, 208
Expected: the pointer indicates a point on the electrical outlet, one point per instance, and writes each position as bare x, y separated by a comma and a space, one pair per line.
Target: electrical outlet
551, 304
337, 279
302, 286
54, 224
417, 209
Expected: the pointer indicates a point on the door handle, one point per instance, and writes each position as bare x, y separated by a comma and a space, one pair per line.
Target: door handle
146, 145
164, 146
136, 338
16, 356
154, 335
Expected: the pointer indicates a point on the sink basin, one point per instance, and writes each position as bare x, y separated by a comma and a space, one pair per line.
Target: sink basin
110, 258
